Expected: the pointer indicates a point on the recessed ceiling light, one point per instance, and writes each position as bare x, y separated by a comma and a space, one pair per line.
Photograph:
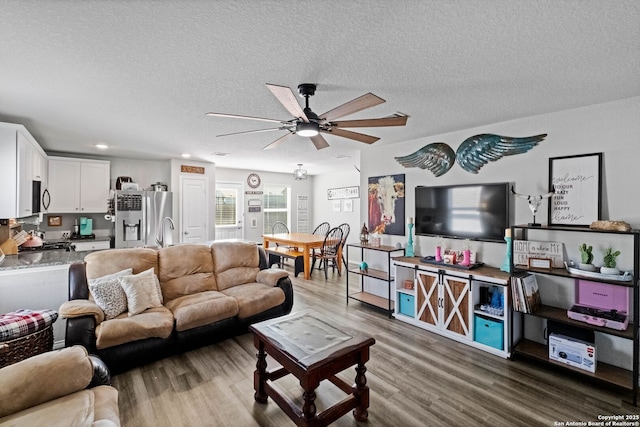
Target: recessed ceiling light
185, 155
102, 146
341, 156
219, 153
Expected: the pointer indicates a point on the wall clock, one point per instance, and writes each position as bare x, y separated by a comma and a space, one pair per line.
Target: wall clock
253, 180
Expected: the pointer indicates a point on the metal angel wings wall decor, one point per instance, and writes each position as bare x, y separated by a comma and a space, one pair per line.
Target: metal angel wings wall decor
471, 155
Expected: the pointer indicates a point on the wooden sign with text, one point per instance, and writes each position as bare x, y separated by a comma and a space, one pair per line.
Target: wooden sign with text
192, 169
525, 249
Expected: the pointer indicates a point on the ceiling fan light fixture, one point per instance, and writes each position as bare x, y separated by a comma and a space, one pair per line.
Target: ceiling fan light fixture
307, 129
299, 174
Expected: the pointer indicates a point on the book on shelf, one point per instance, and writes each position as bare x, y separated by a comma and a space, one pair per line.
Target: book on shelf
525, 293
531, 292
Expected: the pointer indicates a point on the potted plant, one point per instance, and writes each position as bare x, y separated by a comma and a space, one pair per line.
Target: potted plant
609, 266
586, 255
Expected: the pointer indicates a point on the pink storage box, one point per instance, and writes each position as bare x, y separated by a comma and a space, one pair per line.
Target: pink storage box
601, 304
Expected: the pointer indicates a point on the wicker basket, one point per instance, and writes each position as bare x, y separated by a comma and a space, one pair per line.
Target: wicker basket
24, 347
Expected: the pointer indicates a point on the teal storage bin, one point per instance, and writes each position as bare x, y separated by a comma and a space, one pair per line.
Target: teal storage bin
489, 332
406, 304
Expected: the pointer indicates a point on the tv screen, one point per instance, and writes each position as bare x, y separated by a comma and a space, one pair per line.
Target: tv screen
475, 211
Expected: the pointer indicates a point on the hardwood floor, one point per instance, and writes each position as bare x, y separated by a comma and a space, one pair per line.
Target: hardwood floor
416, 379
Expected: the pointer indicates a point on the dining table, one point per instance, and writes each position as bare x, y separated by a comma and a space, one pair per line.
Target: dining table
305, 242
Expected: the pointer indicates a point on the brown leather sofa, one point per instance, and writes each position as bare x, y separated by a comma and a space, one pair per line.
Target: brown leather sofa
58, 388
209, 293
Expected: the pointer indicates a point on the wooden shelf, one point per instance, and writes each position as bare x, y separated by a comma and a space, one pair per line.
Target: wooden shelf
561, 272
560, 315
372, 272
604, 372
373, 300
381, 248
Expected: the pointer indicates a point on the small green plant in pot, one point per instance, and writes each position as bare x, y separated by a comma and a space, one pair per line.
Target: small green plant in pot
609, 266
586, 255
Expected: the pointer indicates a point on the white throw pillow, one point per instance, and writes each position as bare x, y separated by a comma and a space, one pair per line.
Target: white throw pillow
108, 293
142, 290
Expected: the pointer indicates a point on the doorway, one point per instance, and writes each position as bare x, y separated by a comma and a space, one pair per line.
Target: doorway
193, 210
229, 210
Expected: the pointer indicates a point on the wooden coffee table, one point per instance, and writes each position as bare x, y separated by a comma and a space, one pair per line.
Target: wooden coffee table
312, 350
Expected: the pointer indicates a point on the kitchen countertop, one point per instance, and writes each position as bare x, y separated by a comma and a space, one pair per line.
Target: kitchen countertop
27, 260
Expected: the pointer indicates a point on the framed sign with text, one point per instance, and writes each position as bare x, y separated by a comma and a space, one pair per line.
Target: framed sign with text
343, 193
577, 181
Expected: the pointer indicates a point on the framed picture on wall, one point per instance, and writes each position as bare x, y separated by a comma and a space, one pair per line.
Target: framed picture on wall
386, 204
577, 181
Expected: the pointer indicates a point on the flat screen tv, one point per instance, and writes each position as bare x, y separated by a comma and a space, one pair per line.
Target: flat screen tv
474, 211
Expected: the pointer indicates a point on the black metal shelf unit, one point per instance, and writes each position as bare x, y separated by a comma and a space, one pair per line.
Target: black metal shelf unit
624, 378
377, 274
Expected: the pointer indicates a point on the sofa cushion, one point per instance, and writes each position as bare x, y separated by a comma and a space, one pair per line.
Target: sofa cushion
185, 270
101, 263
155, 322
203, 308
254, 298
235, 263
108, 294
75, 409
142, 290
46, 369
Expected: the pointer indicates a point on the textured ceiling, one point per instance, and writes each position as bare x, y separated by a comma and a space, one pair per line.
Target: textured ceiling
140, 75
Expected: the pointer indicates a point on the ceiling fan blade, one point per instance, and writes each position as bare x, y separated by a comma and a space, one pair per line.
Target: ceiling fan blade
366, 123
251, 131
367, 139
288, 99
319, 142
235, 116
278, 141
363, 102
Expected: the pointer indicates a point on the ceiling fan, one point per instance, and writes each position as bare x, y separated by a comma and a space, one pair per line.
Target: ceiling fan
309, 124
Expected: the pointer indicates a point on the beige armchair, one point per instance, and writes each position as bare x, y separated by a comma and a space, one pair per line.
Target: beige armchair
64, 387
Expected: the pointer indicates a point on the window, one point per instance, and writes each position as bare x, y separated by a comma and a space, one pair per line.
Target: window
277, 203
226, 206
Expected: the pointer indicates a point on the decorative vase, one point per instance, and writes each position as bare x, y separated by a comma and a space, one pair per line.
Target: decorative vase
586, 267
466, 258
609, 270
409, 249
506, 263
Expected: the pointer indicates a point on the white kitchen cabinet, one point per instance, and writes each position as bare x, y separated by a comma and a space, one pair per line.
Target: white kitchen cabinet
91, 245
18, 150
78, 185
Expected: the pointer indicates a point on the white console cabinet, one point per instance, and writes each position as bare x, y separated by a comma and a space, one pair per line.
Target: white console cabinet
446, 300
78, 185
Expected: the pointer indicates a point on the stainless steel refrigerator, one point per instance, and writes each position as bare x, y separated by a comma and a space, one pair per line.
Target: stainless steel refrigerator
143, 219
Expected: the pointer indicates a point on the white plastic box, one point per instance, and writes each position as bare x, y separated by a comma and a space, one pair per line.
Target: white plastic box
572, 352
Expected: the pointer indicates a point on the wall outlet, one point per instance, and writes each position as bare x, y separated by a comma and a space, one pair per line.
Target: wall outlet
65, 235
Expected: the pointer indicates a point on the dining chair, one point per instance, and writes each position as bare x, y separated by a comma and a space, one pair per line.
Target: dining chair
346, 229
329, 250
321, 230
278, 227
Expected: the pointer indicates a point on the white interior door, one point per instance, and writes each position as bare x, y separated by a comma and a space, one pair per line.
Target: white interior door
193, 210
229, 210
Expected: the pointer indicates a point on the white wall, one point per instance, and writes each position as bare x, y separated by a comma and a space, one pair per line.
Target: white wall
297, 188
323, 207
611, 128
